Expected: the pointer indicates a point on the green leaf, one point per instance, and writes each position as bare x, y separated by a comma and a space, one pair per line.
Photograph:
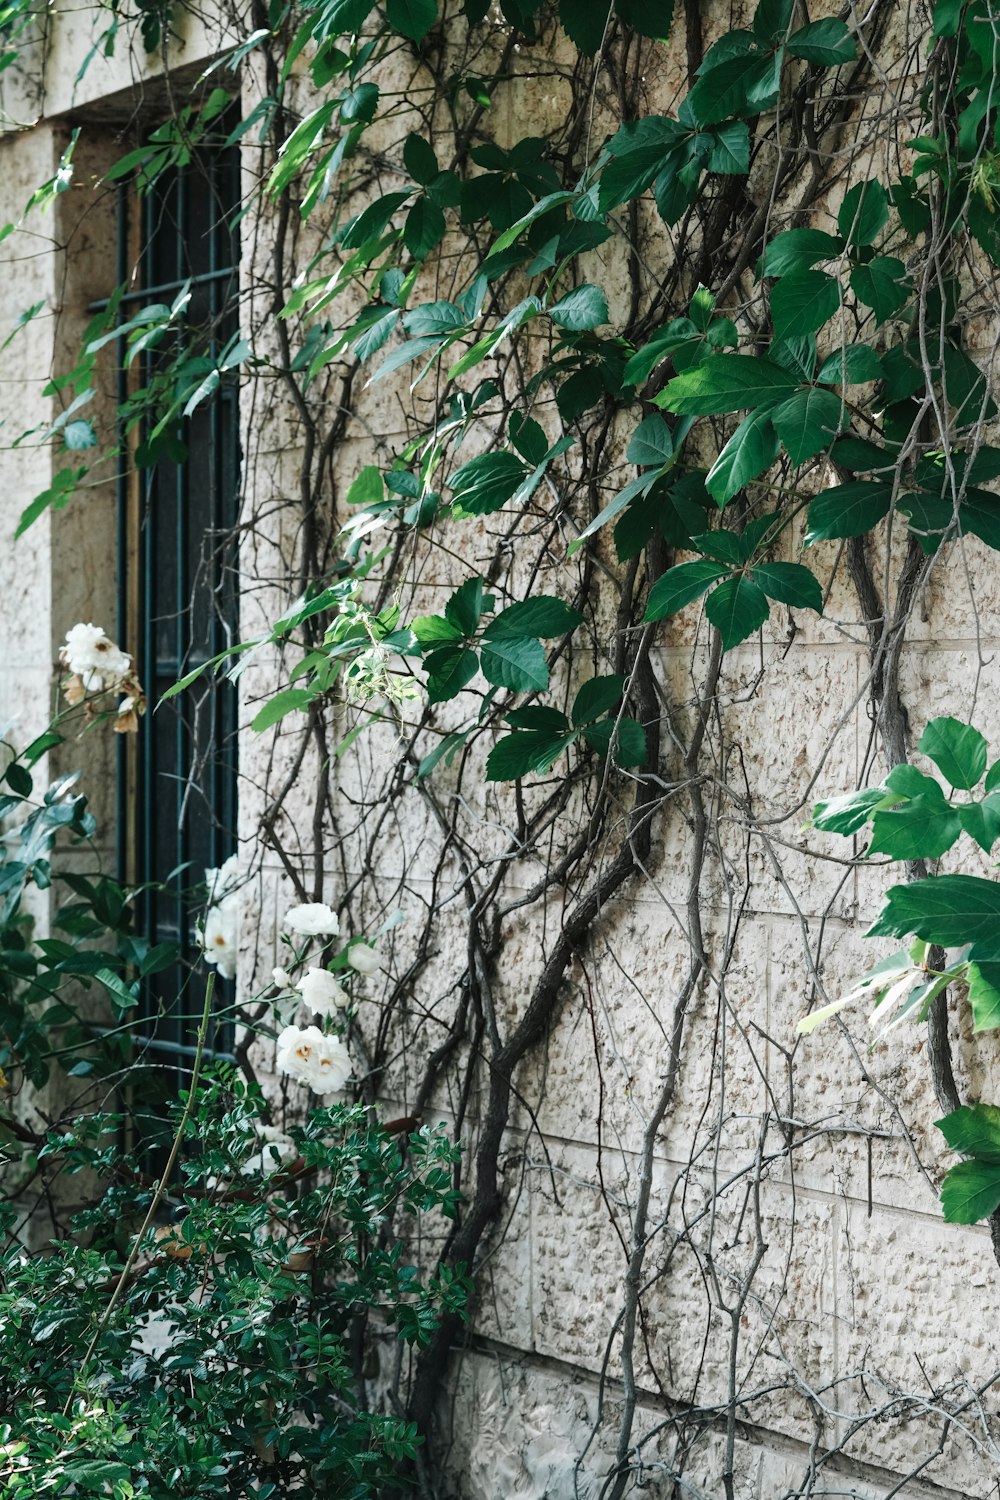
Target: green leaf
538, 716
486, 483
445, 750
286, 702
848, 509
596, 697
731, 151
920, 829
853, 365
371, 223
864, 212
947, 15
882, 285
974, 1130
543, 616
123, 996
993, 777
431, 630
626, 745
449, 669
465, 607
583, 308
970, 1192
679, 586
412, 18
808, 422
741, 86
651, 444
650, 18
423, 228
803, 301
981, 821
529, 751
737, 608
752, 448
849, 813
516, 662
948, 909
772, 19
727, 382
367, 488
798, 250
789, 583
18, 779
984, 995
827, 43
958, 750
584, 22
419, 159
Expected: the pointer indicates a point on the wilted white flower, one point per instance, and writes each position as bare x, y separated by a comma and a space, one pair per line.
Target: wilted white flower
94, 658
313, 919
321, 992
363, 959
281, 979
218, 937
321, 1062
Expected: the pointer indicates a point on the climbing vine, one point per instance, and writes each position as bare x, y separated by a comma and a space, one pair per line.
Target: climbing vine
693, 371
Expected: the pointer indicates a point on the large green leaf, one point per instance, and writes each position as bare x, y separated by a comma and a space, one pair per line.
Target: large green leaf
789, 583
649, 17
853, 365
464, 608
948, 909
737, 608
752, 448
486, 483
423, 228
970, 1192
920, 829
544, 615
848, 509
516, 662
625, 741
882, 285
449, 669
651, 444
803, 301
583, 308
808, 422
584, 22
849, 813
527, 751
981, 821
679, 586
596, 697
412, 18
798, 250
727, 382
974, 1130
984, 995
742, 86
958, 750
639, 150
827, 43
288, 701
864, 212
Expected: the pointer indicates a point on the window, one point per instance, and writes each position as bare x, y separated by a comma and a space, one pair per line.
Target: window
177, 590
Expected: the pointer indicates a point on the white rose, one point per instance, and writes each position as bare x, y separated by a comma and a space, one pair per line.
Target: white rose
281, 978
313, 919
218, 938
321, 1062
94, 658
321, 992
222, 881
363, 959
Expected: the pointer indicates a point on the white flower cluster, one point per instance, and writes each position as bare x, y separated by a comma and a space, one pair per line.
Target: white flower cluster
307, 1053
97, 665
220, 931
322, 1062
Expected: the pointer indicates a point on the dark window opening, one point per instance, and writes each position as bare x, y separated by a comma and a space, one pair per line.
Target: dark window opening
178, 597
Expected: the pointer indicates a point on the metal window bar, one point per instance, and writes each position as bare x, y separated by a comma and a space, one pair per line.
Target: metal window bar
177, 785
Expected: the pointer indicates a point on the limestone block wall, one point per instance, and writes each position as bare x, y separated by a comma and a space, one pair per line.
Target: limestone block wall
807, 1324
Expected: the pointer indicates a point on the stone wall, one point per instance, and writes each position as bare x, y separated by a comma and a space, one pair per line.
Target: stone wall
808, 1324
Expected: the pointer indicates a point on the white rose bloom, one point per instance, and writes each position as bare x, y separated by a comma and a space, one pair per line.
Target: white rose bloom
321, 1062
313, 919
219, 935
94, 658
281, 979
222, 881
321, 992
363, 959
